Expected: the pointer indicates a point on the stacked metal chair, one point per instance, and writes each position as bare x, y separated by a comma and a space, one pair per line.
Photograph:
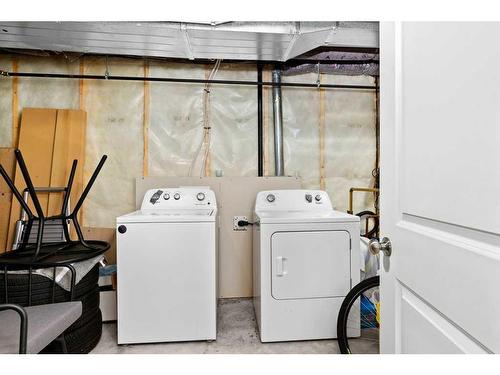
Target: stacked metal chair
29, 256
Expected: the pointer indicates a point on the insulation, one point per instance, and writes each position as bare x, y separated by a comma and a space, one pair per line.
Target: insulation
300, 131
234, 123
5, 103
371, 69
176, 115
47, 92
350, 143
115, 128
350, 147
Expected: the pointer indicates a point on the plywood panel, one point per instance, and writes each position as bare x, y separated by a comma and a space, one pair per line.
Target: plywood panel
103, 234
69, 144
36, 141
5, 203
235, 197
7, 160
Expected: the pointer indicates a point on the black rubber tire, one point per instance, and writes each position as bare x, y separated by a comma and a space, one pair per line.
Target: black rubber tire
84, 334
85, 338
351, 297
42, 288
90, 305
82, 339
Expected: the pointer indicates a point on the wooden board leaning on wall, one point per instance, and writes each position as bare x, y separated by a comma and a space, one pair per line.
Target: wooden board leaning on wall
7, 160
49, 139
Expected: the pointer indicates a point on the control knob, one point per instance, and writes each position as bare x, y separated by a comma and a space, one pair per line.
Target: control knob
200, 196
166, 196
309, 198
270, 198
317, 197
177, 196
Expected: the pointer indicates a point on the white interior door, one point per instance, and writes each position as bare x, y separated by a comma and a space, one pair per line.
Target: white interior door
440, 184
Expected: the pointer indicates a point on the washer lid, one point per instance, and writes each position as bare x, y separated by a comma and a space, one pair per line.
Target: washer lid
172, 216
303, 216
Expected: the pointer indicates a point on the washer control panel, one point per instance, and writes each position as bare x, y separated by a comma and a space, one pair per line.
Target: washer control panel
182, 197
293, 200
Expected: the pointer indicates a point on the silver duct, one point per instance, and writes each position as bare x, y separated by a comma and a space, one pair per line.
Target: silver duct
279, 166
368, 69
338, 62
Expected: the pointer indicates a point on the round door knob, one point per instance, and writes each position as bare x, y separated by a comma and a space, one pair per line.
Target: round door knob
166, 196
317, 197
384, 245
270, 198
122, 229
177, 196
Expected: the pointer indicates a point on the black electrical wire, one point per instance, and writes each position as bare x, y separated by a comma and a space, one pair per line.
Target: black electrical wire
184, 80
244, 223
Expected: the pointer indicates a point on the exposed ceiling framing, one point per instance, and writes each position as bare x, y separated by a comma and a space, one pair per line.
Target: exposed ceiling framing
254, 41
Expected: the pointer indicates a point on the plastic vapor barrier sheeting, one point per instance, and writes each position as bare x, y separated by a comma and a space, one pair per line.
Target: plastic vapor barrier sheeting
36, 92
47, 92
176, 128
115, 113
5, 104
349, 137
176, 119
301, 130
234, 121
350, 141
116, 126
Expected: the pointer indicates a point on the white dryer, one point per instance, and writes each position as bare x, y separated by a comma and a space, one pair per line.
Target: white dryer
305, 261
166, 265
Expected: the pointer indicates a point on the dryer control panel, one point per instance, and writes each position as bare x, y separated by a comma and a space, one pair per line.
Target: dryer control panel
182, 197
316, 200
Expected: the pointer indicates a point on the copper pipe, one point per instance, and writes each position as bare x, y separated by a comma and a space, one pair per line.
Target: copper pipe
351, 193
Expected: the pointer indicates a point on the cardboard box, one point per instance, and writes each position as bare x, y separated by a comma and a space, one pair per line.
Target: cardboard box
108, 305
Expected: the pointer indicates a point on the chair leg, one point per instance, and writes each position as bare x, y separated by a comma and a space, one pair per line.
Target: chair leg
62, 342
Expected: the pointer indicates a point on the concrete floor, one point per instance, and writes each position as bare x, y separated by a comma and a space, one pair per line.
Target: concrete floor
237, 334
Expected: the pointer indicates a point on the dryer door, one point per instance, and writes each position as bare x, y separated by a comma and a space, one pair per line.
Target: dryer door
315, 264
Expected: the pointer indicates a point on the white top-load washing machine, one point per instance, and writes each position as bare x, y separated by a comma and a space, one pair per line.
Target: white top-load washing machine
305, 261
166, 265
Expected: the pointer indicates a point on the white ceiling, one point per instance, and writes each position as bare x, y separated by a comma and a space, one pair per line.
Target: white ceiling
267, 41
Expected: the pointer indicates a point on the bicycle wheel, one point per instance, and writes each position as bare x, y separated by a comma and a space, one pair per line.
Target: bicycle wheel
358, 323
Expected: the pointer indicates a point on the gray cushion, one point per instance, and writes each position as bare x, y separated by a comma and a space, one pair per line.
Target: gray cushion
45, 323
